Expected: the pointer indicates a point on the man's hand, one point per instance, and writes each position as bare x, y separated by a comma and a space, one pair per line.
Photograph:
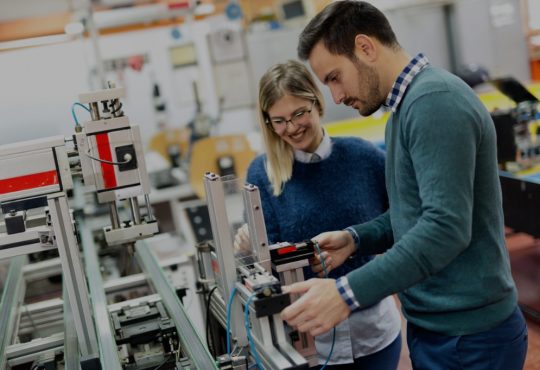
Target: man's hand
336, 247
319, 309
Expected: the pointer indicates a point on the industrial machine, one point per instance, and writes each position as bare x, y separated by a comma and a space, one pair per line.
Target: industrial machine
115, 307
82, 329
246, 297
518, 138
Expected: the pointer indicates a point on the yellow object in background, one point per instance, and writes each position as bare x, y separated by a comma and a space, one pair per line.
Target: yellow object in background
372, 129
369, 128
164, 141
207, 152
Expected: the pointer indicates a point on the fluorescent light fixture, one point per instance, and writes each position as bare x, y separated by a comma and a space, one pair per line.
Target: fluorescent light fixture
138, 14
35, 41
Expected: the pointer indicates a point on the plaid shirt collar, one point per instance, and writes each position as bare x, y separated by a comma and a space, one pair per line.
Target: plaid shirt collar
393, 99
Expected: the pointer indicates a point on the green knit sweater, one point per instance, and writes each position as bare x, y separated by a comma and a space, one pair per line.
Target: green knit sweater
443, 236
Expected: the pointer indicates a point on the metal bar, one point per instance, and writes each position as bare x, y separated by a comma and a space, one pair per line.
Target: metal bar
123, 283
43, 269
11, 298
107, 344
215, 196
34, 322
94, 111
23, 353
149, 211
23, 250
135, 211
43, 306
71, 345
57, 325
34, 356
37, 345
256, 225
115, 218
115, 307
189, 338
218, 308
73, 275
25, 237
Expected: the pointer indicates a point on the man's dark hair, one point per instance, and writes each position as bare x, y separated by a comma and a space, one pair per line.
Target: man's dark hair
338, 24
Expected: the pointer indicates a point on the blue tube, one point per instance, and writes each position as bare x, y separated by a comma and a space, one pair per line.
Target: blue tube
248, 330
73, 111
229, 305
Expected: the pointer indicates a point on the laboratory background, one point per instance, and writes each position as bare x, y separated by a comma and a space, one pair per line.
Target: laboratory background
126, 130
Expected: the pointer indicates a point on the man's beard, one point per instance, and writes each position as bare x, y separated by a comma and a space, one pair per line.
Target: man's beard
373, 101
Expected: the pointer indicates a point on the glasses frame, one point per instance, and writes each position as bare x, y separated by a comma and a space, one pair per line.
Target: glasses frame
286, 121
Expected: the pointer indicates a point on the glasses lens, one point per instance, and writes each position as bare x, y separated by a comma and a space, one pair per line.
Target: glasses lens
278, 126
300, 117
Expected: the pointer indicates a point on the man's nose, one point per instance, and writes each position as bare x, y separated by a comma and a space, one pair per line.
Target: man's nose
337, 95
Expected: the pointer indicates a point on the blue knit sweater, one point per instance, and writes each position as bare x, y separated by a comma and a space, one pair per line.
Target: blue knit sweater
347, 187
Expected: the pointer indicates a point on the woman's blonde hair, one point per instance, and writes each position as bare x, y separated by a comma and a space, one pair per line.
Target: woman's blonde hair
290, 78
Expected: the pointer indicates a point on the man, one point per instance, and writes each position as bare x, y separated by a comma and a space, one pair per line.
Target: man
443, 235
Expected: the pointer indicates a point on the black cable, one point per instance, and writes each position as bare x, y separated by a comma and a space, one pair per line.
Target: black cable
208, 301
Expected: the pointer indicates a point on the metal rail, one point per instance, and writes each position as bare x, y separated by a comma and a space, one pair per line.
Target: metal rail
11, 299
189, 338
107, 344
71, 344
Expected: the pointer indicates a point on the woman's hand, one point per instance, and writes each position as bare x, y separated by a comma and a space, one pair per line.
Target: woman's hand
336, 247
242, 243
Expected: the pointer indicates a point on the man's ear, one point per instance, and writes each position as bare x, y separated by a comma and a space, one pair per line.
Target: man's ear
365, 47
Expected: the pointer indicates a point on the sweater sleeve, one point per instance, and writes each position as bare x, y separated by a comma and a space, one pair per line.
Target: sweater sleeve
442, 139
257, 176
375, 236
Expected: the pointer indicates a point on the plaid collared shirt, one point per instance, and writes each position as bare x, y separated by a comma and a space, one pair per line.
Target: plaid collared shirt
397, 91
393, 99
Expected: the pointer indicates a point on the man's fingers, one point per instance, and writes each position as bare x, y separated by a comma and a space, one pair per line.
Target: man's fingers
291, 312
306, 326
300, 287
318, 330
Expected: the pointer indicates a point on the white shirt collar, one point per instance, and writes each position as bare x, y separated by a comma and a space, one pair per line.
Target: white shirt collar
323, 151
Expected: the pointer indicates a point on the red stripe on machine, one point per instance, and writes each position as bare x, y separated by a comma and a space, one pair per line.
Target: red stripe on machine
286, 250
26, 182
107, 170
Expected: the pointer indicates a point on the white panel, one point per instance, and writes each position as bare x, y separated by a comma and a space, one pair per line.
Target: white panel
38, 87
234, 84
27, 163
226, 45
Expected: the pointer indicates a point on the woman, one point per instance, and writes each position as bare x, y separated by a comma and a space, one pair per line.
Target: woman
310, 183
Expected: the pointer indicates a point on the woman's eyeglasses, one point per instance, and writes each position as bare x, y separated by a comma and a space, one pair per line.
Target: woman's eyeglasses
279, 124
